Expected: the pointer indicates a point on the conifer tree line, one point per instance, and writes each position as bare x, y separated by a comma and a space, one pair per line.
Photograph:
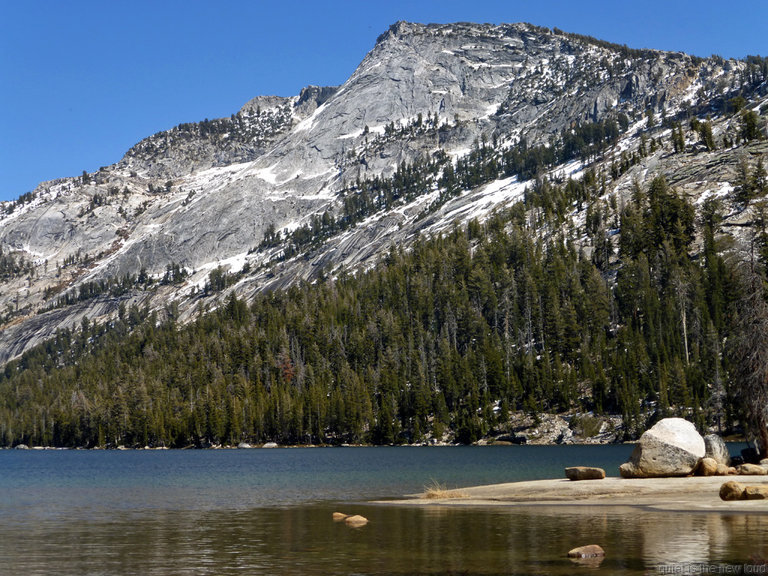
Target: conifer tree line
447, 337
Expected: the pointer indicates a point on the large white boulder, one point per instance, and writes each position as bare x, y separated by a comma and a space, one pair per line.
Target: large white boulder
672, 447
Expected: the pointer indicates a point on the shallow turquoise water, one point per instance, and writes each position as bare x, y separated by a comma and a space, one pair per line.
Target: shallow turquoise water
269, 512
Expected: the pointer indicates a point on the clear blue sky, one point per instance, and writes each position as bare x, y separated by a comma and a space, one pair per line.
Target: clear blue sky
82, 81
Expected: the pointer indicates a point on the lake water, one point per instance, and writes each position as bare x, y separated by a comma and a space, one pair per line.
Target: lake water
269, 512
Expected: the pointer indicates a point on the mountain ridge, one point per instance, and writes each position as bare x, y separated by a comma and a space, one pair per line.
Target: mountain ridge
201, 196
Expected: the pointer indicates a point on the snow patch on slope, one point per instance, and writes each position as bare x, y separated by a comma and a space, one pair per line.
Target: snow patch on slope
722, 190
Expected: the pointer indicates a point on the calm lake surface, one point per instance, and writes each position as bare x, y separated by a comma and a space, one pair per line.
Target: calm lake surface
269, 512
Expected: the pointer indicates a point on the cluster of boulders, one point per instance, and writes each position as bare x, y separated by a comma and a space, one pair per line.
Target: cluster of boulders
673, 447
355, 520
735, 491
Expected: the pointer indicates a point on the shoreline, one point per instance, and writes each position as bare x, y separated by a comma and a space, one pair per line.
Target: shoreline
271, 445
680, 494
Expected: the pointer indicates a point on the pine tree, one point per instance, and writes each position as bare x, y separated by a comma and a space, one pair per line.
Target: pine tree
760, 179
744, 182
750, 126
706, 135
678, 139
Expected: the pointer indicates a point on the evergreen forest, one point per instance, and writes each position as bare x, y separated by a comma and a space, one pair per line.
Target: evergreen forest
442, 341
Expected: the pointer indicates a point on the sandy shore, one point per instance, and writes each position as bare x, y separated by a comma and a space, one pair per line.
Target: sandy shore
674, 494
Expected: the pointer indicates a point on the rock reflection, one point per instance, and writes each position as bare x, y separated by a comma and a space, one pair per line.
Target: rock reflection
702, 539
397, 540
683, 539
588, 562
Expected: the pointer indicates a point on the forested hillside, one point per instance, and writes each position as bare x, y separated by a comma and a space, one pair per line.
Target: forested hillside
442, 341
486, 229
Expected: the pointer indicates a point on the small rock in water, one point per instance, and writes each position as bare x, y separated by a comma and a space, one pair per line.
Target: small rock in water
584, 473
270, 445
356, 520
339, 516
588, 551
244, 445
731, 491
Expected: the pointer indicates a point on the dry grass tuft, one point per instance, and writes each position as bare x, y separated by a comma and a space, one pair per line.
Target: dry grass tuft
437, 491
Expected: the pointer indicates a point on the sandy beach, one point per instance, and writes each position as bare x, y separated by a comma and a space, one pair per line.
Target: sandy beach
673, 494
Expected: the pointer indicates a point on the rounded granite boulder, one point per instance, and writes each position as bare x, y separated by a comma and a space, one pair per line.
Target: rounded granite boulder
731, 490
584, 473
707, 467
672, 447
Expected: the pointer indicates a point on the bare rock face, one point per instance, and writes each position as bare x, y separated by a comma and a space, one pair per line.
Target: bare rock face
584, 473
208, 194
716, 449
672, 447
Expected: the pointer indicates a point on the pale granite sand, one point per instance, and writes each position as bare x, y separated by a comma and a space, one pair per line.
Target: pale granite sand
676, 494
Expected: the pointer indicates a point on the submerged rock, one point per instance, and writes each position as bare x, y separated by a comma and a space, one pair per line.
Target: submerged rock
339, 516
672, 447
588, 551
356, 520
584, 473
